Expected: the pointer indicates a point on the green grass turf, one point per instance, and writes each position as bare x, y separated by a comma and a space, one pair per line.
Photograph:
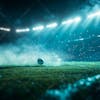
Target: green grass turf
29, 83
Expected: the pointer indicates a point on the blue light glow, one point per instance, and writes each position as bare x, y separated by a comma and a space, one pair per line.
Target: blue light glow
67, 22
38, 28
70, 21
52, 25
22, 30
77, 19
96, 14
5, 29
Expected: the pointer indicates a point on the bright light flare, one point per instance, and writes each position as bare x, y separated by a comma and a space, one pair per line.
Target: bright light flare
52, 25
67, 22
98, 35
5, 29
77, 19
38, 28
70, 21
94, 15
22, 30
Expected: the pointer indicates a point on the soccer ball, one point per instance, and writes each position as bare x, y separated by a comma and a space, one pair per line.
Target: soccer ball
40, 61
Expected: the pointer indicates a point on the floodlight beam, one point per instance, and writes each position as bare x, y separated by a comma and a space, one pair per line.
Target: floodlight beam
52, 25
22, 30
37, 28
70, 21
67, 22
5, 29
77, 19
94, 15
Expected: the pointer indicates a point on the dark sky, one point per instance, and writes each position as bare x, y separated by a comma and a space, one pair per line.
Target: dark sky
22, 12
26, 12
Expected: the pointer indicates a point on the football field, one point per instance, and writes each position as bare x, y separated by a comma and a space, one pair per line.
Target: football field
30, 83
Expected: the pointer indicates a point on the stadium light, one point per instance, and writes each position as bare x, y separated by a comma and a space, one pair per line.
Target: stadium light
70, 21
52, 25
77, 19
98, 35
94, 15
67, 22
22, 30
38, 28
5, 29
81, 39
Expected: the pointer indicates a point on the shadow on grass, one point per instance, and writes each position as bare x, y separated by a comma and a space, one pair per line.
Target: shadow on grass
13, 66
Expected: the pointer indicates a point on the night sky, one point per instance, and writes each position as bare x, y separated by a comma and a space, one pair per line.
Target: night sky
59, 44
27, 12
